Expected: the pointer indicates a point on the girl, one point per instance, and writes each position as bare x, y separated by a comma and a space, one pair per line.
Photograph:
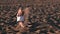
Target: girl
20, 17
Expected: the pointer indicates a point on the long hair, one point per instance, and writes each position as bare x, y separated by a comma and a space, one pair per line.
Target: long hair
21, 10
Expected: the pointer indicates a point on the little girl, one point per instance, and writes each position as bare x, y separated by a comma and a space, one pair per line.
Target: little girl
20, 17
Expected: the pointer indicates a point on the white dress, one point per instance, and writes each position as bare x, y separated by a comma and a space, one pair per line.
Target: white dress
20, 18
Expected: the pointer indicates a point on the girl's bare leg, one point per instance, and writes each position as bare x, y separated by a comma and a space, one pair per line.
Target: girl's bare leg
21, 24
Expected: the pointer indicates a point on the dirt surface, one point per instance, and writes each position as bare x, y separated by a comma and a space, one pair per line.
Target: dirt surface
43, 17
